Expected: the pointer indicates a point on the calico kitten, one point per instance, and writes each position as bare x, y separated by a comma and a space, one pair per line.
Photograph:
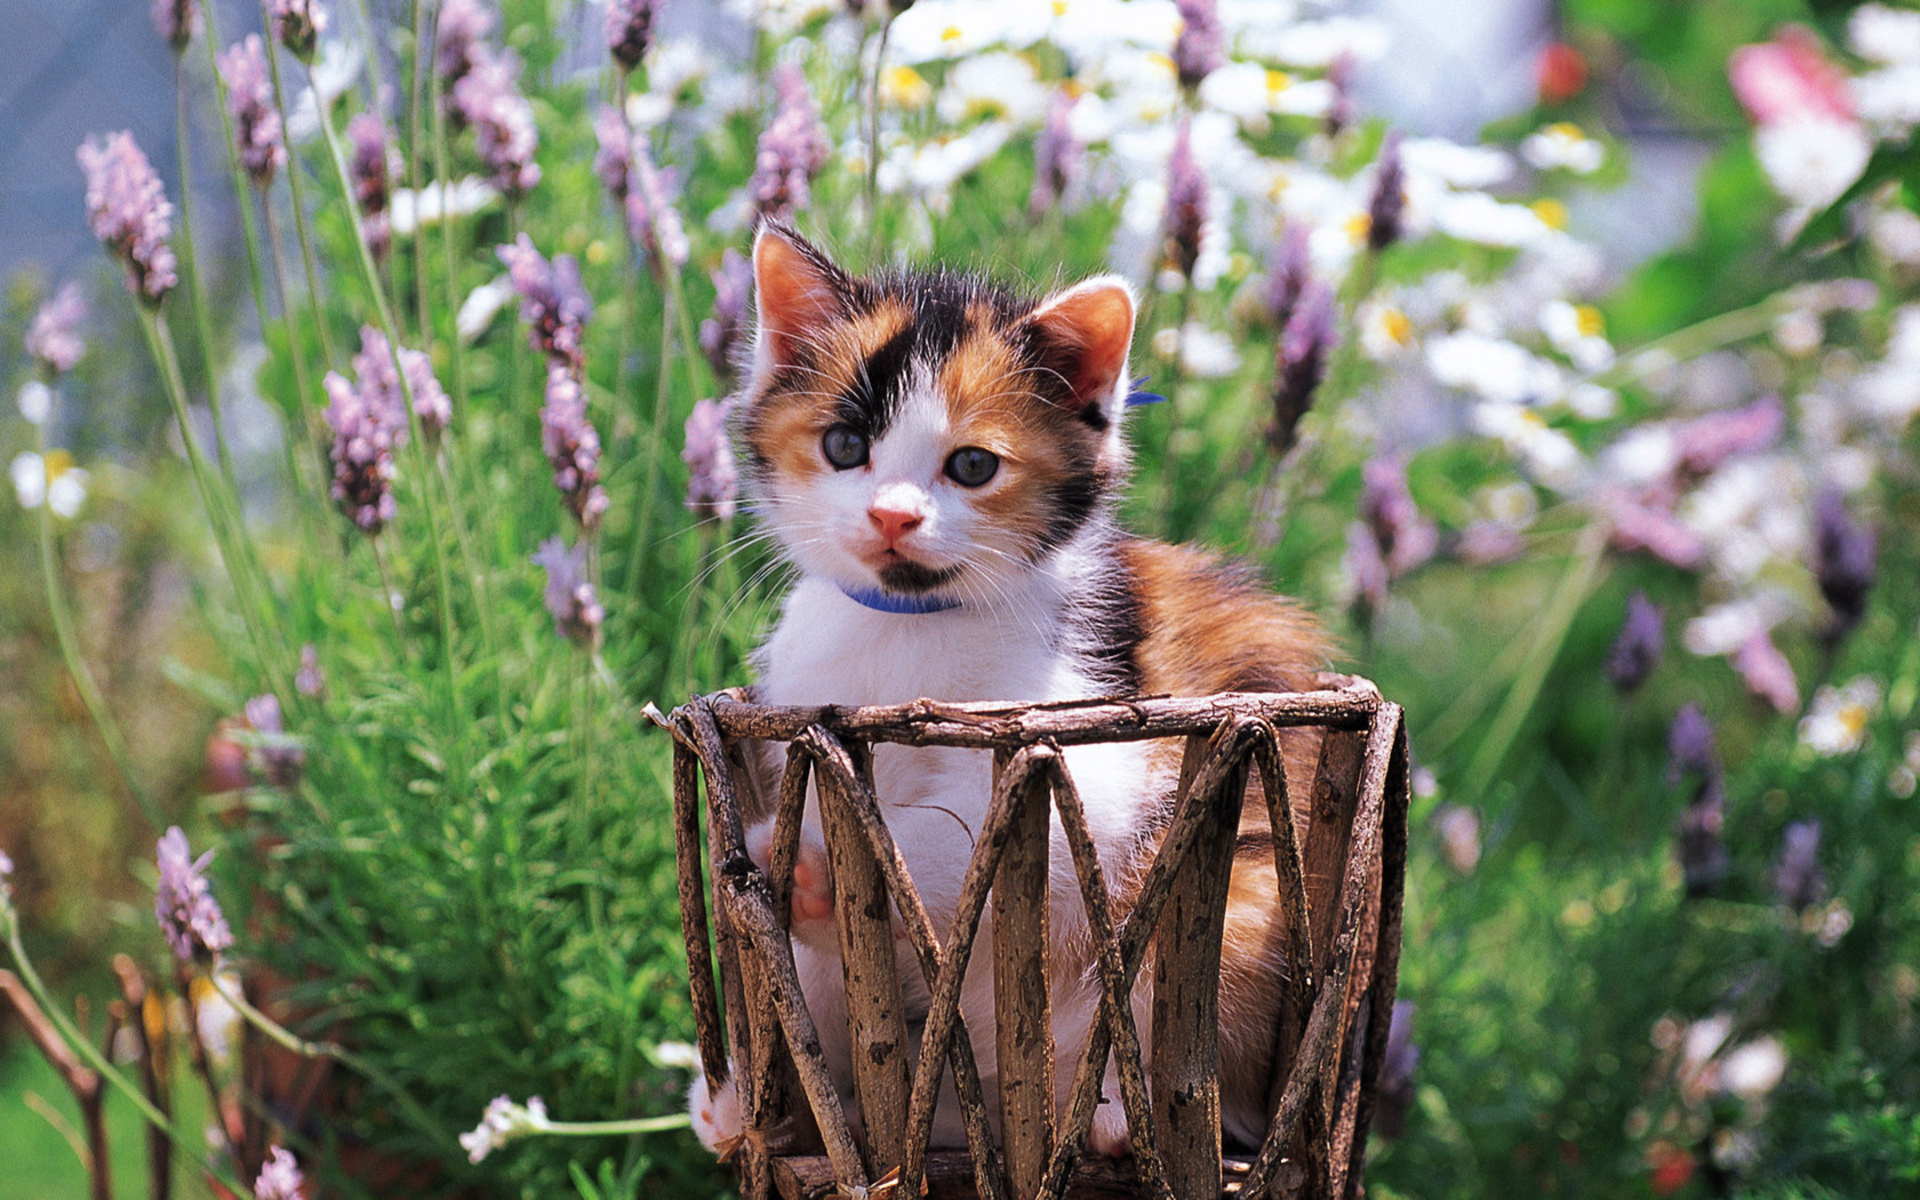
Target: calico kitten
940, 459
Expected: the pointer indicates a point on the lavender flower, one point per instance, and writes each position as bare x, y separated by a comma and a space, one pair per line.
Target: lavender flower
1690, 744
256, 122
1798, 881
176, 21
1288, 274
279, 1177
374, 164
613, 162
573, 447
577, 615
652, 221
1186, 203
553, 302
129, 213
383, 394
1844, 562
712, 482
1300, 361
1406, 539
1702, 854
1386, 210
53, 338
1340, 109
459, 40
362, 456
629, 31
6, 896
1636, 652
501, 1123
1397, 1065
278, 757
309, 680
297, 24
732, 290
1057, 156
792, 150
488, 98
184, 903
1707, 441
1366, 566
1201, 47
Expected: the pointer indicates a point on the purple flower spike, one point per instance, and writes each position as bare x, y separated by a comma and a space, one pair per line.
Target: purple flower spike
1386, 211
712, 481
1636, 652
310, 681
732, 291
1186, 203
176, 21
1340, 110
1702, 854
374, 164
613, 162
1690, 744
1798, 881
280, 758
1397, 1066
129, 213
573, 447
459, 39
1288, 274
184, 903
1709, 440
577, 614
1844, 561
1300, 361
652, 221
1057, 156
382, 394
488, 98
256, 122
53, 338
362, 456
1406, 539
297, 25
792, 150
279, 1178
1201, 47
629, 31
553, 302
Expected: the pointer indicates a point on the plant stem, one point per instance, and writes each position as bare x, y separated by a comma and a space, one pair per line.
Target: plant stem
294, 188
873, 133
302, 383
194, 1147
83, 682
644, 501
1551, 633
203, 325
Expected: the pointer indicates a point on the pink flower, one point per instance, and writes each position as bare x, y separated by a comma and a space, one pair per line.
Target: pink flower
629, 31
1706, 441
1766, 671
1186, 203
488, 98
256, 122
373, 165
280, 1178
792, 149
577, 614
188, 914
362, 454
1201, 47
128, 210
1788, 79
297, 24
573, 447
553, 302
458, 40
53, 338
1057, 156
712, 481
176, 21
732, 291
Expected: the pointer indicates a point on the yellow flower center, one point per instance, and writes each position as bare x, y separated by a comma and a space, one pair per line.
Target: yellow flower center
1059, 8
1358, 226
1589, 322
903, 87
1277, 82
1164, 62
56, 464
1395, 325
1551, 212
950, 34
1567, 130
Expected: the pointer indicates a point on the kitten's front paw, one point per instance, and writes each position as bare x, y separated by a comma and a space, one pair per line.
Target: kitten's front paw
716, 1115
812, 895
1109, 1136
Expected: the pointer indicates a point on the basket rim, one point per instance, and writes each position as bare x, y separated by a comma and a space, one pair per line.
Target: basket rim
1350, 703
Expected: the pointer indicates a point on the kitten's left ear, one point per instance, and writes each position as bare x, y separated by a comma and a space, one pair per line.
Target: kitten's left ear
1084, 333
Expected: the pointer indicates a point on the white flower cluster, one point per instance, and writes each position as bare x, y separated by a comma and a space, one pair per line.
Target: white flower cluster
501, 1123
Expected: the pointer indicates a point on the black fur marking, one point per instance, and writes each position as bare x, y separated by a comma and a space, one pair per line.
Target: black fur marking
1072, 501
870, 402
913, 577
1113, 611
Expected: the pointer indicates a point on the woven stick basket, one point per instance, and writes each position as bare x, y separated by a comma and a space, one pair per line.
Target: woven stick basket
1341, 890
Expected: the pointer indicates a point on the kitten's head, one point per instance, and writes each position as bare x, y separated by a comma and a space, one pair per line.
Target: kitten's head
925, 433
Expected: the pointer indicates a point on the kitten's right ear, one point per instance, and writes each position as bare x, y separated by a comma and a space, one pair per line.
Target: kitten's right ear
796, 290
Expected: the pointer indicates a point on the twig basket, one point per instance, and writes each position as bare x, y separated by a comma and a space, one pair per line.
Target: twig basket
1341, 890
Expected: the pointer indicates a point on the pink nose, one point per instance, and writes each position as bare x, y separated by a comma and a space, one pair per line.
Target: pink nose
893, 522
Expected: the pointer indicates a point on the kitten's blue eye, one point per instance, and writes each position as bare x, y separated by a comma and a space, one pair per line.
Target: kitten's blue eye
970, 466
845, 447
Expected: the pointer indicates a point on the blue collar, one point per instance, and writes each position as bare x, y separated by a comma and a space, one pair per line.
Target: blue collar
887, 602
